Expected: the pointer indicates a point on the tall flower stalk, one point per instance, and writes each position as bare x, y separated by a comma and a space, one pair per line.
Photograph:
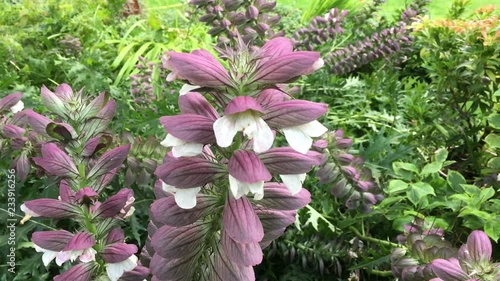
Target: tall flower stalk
252, 21
73, 148
227, 189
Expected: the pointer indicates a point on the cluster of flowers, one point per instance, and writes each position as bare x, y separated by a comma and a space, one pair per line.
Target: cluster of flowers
383, 44
142, 159
320, 30
367, 12
72, 44
231, 19
415, 8
350, 179
427, 256
142, 83
70, 148
388, 43
13, 136
204, 223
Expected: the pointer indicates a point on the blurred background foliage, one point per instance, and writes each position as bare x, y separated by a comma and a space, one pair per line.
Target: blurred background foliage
425, 119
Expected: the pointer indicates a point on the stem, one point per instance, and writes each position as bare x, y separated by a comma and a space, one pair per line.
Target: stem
381, 272
371, 239
35, 222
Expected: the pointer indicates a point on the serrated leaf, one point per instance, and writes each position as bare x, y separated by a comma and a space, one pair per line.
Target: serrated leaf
315, 216
455, 180
396, 186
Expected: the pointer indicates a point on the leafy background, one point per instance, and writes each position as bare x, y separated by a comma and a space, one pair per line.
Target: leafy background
427, 125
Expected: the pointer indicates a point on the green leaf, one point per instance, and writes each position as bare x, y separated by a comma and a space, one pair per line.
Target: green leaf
486, 194
405, 170
315, 216
494, 163
122, 55
399, 223
493, 140
418, 191
494, 120
492, 228
441, 155
432, 168
455, 180
471, 189
396, 186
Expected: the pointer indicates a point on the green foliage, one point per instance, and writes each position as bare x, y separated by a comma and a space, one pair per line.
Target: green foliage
321, 7
427, 125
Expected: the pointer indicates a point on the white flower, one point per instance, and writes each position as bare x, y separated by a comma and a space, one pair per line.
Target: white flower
300, 137
184, 197
239, 188
116, 270
47, 256
182, 148
186, 88
84, 255
293, 182
17, 107
252, 126
28, 211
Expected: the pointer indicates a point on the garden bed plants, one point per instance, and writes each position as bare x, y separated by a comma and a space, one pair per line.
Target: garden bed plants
249, 140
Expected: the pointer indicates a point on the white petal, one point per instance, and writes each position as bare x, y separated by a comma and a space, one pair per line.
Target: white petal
237, 188
129, 213
88, 255
246, 122
318, 64
116, 270
171, 76
225, 130
47, 256
62, 257
17, 107
168, 187
186, 197
257, 188
170, 141
297, 139
264, 137
313, 129
28, 211
188, 149
186, 88
293, 182
75, 254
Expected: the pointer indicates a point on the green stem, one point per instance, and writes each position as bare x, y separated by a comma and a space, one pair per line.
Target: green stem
381, 272
371, 239
33, 221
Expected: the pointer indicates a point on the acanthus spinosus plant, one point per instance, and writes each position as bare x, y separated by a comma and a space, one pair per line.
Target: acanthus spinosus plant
13, 136
72, 148
227, 189
426, 255
350, 180
250, 20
